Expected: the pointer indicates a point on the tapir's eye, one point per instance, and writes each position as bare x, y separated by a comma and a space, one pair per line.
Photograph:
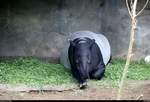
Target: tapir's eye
89, 61
77, 61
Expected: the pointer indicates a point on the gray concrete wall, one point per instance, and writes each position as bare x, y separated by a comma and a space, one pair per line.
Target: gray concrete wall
116, 26
38, 27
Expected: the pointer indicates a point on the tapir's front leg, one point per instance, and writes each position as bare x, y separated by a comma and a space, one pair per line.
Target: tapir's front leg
99, 72
82, 82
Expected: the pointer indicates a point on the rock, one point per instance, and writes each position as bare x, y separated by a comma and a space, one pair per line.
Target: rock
147, 59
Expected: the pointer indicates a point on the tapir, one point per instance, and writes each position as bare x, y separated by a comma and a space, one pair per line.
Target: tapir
86, 54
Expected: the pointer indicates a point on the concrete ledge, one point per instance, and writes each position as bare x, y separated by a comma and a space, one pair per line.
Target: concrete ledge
66, 87
27, 88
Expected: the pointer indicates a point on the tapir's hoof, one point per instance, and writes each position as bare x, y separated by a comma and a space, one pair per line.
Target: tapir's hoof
83, 85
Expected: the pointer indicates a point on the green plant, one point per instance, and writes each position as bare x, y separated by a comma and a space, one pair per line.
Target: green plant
31, 71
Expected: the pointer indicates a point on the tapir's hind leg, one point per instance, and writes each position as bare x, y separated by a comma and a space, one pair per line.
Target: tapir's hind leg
99, 72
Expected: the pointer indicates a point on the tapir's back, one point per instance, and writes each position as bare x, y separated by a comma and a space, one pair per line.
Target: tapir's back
96, 56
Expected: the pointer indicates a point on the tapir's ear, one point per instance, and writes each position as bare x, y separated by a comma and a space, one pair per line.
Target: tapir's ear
92, 42
72, 43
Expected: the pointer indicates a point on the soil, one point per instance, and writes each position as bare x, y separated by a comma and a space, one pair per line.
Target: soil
133, 90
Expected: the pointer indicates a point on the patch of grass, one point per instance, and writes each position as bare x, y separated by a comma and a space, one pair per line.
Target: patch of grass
138, 70
31, 71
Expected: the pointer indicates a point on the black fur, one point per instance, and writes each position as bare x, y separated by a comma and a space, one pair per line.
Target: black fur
85, 59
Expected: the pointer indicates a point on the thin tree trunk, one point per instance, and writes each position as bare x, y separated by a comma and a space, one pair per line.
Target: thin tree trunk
129, 55
133, 15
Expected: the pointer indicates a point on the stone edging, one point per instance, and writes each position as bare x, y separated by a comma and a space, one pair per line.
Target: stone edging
27, 88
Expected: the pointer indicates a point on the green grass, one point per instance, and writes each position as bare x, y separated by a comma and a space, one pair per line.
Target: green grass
138, 70
31, 71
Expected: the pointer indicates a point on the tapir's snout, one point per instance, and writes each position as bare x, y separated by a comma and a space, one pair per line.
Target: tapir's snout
84, 73
85, 77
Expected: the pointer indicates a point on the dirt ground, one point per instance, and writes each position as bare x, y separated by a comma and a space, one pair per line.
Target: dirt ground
133, 90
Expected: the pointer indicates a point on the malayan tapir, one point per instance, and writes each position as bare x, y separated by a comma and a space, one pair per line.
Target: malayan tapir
86, 54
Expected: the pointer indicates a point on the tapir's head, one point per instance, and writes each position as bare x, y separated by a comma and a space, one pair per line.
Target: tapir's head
82, 55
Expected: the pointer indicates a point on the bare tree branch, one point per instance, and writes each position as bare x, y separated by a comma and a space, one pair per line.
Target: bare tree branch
142, 8
134, 8
128, 8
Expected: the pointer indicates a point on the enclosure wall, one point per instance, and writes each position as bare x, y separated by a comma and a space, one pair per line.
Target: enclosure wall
39, 27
